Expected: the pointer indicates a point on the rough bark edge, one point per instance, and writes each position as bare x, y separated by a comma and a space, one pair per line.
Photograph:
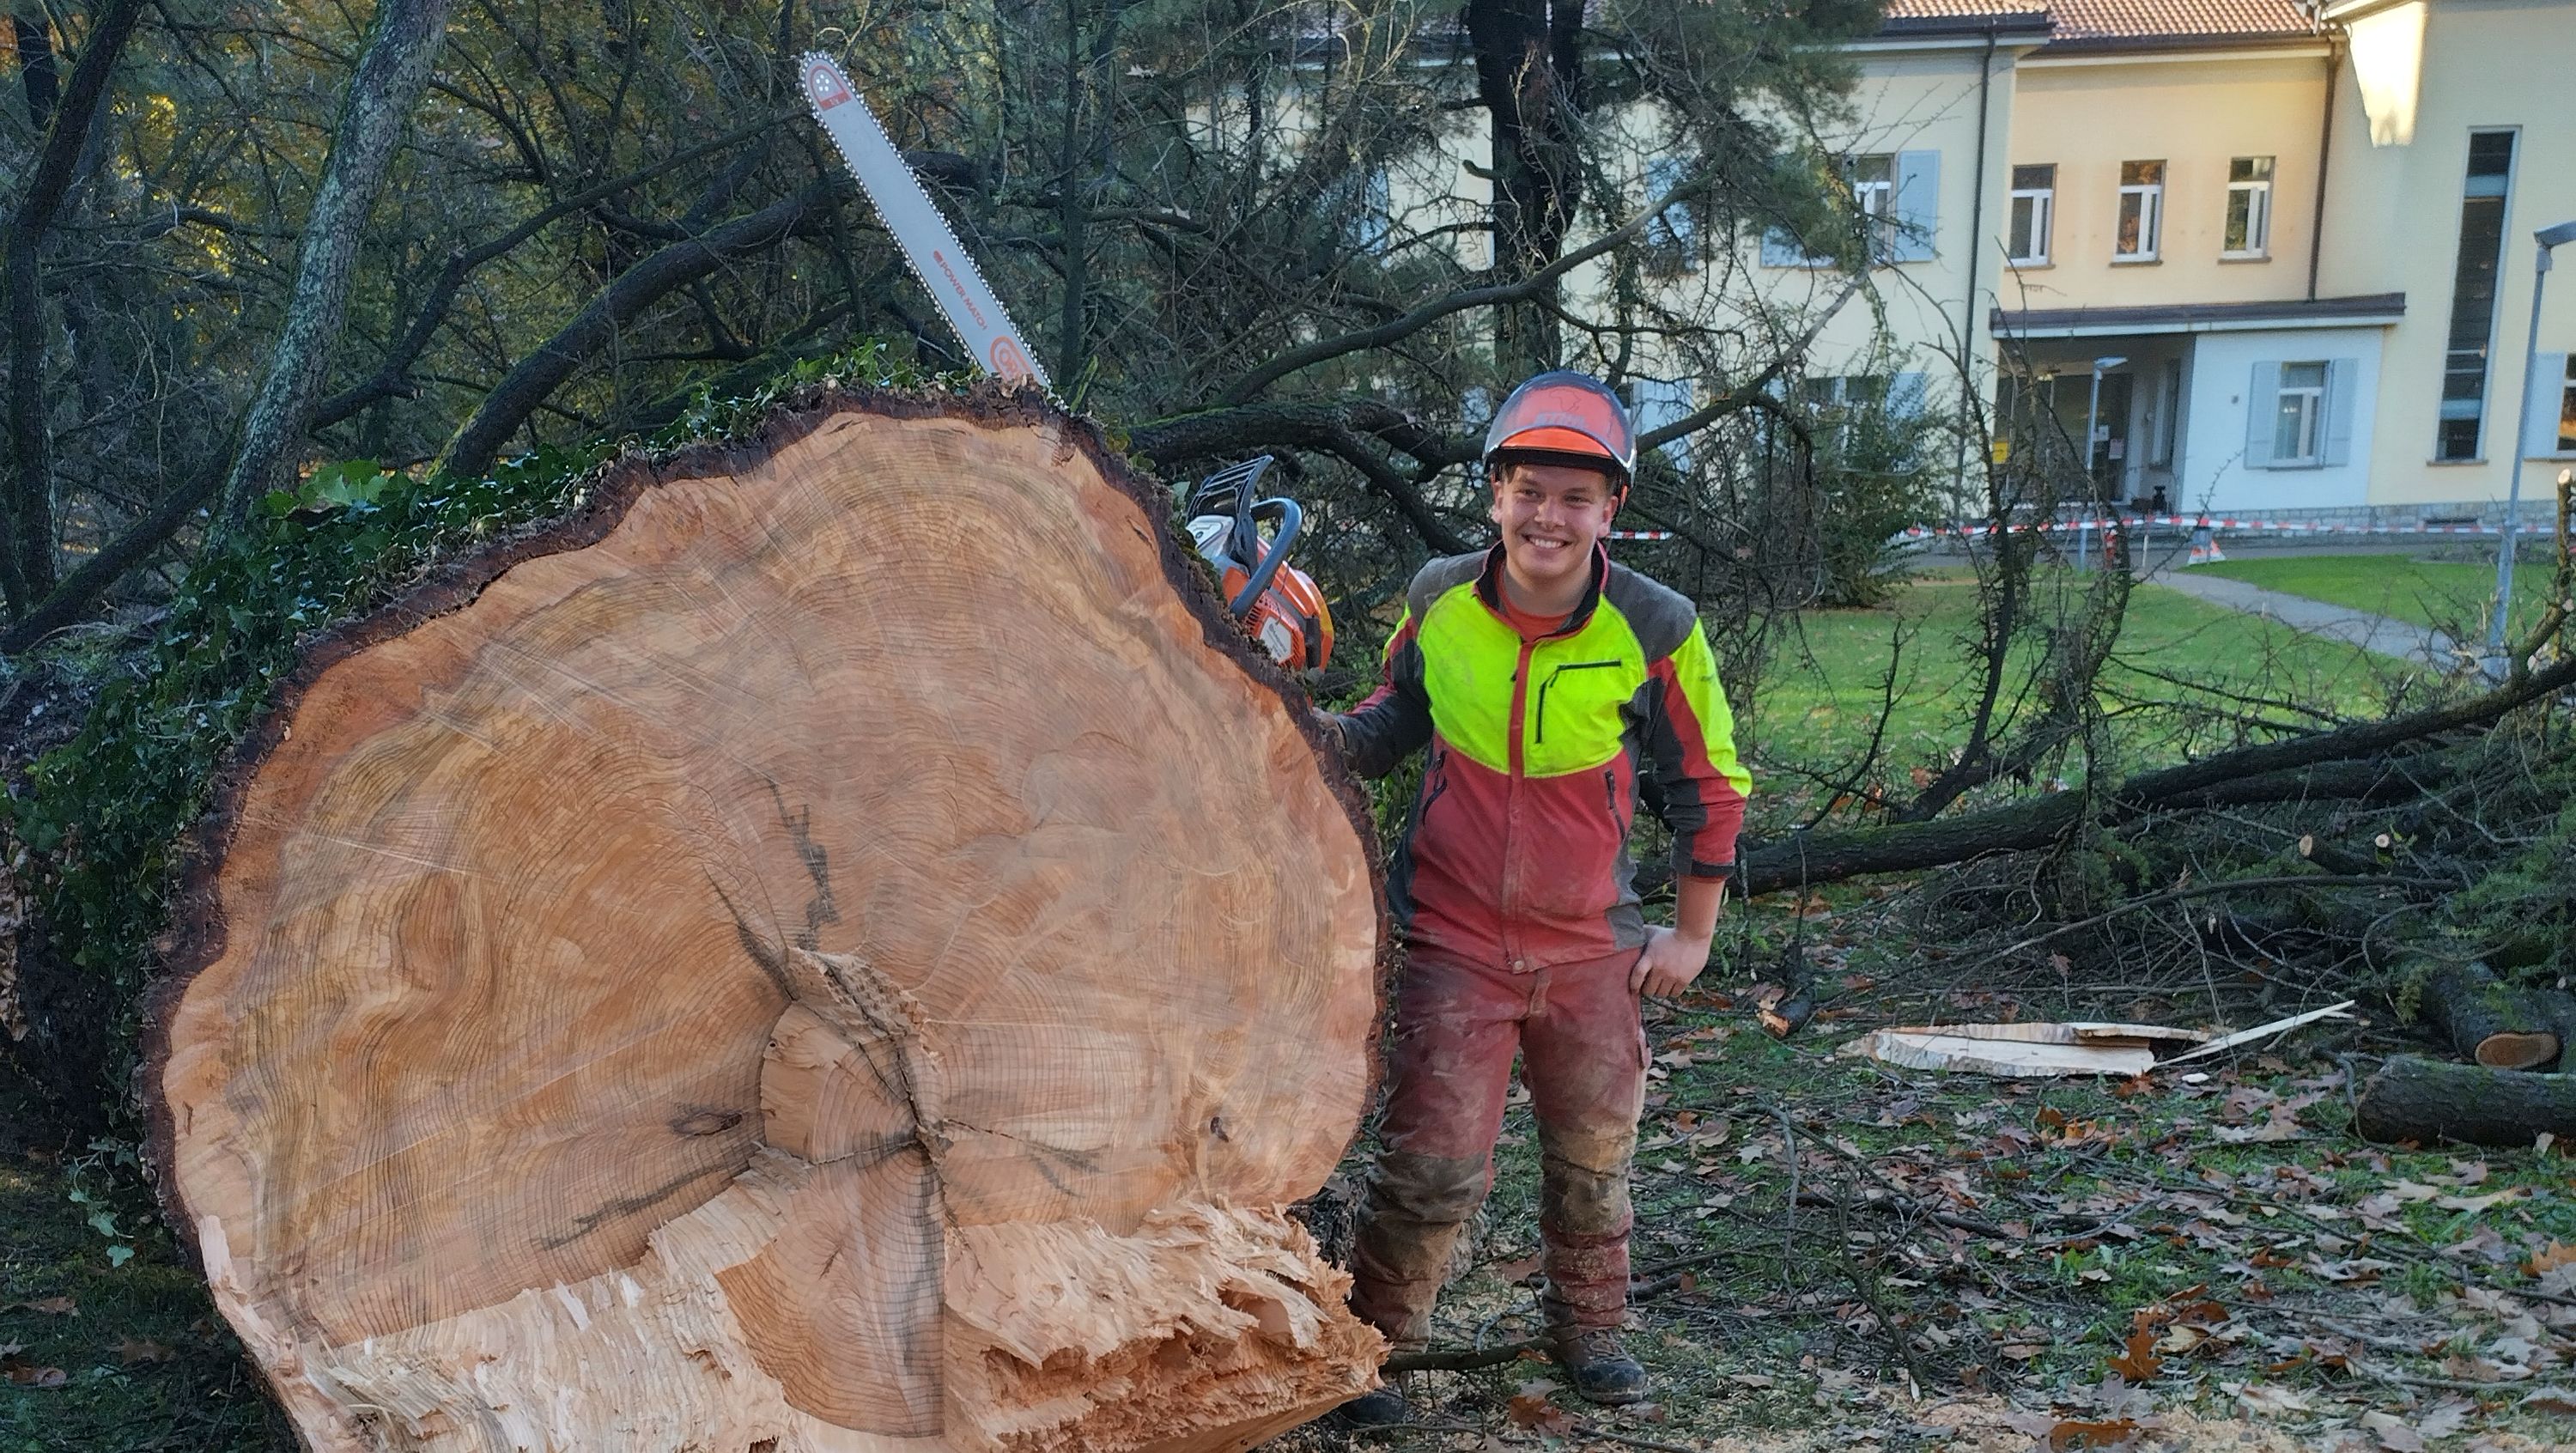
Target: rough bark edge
198, 933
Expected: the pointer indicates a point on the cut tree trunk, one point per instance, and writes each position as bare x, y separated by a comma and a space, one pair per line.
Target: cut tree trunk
2427, 1101
2490, 1022
839, 946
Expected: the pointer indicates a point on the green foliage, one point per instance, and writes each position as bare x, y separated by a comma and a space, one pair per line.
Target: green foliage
104, 813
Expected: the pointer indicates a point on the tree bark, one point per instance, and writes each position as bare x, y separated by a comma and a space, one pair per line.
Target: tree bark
756, 965
1529, 73
2427, 1101
401, 48
27, 540
2488, 1022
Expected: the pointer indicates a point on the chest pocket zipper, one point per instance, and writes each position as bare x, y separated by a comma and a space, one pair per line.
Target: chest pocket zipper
1539, 732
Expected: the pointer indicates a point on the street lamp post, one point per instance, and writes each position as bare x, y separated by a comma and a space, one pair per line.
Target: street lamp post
2092, 417
2549, 239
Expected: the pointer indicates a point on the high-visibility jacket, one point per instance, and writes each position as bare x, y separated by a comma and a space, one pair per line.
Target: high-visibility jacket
1517, 848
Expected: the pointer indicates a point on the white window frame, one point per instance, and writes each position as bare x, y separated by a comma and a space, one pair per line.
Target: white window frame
2258, 211
2151, 213
1875, 201
2043, 209
2312, 424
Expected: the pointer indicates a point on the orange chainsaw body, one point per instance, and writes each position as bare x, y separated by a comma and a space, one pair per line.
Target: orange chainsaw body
1288, 619
1277, 604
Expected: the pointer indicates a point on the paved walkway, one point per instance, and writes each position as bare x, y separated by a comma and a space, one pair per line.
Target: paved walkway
2378, 634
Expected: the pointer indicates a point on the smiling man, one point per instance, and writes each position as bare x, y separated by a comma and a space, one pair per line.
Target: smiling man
1546, 682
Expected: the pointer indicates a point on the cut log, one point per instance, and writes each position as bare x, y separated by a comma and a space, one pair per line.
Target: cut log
840, 945
2488, 1021
2428, 1100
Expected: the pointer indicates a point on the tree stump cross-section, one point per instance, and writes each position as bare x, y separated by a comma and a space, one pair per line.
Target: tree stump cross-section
839, 945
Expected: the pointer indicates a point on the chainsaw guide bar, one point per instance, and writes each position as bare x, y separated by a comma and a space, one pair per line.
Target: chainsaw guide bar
930, 246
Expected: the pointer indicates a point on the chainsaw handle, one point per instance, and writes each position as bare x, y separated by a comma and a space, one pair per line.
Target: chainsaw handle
1291, 520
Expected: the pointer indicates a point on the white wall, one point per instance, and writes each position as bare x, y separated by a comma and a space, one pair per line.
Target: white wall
2214, 472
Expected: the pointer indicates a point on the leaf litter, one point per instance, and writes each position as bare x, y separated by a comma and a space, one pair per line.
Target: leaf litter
1833, 1252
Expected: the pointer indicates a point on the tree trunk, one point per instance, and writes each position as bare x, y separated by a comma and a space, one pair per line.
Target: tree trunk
842, 938
1528, 77
400, 49
2492, 1023
2426, 1101
27, 530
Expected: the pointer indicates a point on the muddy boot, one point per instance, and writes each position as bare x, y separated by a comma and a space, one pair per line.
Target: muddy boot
1600, 1369
1383, 1407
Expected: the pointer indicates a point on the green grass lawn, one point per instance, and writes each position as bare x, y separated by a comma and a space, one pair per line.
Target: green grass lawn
1820, 697
2444, 595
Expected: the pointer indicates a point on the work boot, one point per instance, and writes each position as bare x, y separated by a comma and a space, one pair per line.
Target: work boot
1601, 1370
1382, 1407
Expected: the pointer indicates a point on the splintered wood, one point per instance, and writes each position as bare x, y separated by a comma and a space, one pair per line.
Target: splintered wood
835, 949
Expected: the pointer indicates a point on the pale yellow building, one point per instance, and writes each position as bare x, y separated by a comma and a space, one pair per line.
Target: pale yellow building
2295, 243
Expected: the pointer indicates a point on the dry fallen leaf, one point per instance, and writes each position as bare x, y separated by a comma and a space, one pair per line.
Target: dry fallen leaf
2073, 1433
2551, 1400
27, 1374
1533, 1411
50, 1306
2264, 1397
1517, 1268
2555, 1255
2139, 1362
2395, 1433
2480, 1203
135, 1349
2446, 1418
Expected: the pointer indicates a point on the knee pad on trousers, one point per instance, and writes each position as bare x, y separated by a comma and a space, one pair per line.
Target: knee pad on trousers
1583, 1181
1433, 1190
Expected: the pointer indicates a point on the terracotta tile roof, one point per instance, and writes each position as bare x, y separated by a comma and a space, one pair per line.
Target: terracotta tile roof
2080, 21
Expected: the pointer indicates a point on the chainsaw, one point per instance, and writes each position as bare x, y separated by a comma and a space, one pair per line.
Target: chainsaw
1277, 604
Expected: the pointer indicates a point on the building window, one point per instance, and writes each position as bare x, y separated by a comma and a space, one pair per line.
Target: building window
1654, 403
1895, 199
2298, 416
2249, 206
2473, 295
2034, 197
2142, 211
1367, 205
1873, 184
1675, 229
2567, 407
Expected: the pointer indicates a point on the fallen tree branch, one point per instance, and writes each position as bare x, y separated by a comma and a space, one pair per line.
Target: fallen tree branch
2279, 771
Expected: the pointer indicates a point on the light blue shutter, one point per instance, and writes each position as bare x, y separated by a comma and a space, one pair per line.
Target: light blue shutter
1780, 248
2548, 399
1905, 394
1918, 205
2339, 406
2262, 401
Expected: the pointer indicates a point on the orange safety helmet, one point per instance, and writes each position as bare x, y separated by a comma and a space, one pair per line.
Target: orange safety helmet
1572, 416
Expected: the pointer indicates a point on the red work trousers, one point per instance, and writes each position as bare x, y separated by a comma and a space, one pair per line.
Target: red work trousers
1583, 1056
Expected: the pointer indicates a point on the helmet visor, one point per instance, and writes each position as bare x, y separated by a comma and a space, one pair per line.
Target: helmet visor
1565, 413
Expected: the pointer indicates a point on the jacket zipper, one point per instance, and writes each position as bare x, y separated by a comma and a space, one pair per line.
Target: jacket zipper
1512, 797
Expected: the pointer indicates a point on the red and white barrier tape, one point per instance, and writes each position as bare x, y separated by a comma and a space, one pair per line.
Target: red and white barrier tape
2214, 522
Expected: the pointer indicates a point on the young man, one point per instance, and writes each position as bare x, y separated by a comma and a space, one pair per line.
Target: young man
1547, 682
